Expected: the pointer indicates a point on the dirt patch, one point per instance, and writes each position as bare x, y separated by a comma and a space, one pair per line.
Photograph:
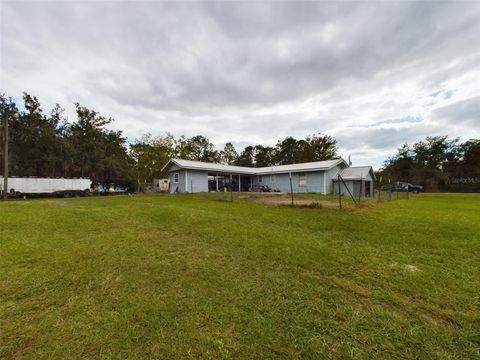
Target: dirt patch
411, 268
407, 267
285, 199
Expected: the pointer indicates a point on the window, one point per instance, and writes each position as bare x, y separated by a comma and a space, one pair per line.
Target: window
272, 178
175, 178
302, 179
260, 178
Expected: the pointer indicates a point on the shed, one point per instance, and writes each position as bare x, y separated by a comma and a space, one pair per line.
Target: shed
357, 179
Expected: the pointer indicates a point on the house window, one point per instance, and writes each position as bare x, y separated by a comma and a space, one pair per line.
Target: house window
260, 178
272, 178
302, 179
175, 178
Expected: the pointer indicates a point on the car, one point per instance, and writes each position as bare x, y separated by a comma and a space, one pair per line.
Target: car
403, 186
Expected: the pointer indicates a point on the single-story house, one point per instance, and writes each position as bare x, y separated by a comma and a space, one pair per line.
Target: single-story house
188, 176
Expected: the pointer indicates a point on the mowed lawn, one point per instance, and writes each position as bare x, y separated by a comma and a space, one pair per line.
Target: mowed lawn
172, 277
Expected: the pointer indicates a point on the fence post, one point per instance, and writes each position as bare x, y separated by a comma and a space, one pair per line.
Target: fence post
346, 187
339, 192
291, 186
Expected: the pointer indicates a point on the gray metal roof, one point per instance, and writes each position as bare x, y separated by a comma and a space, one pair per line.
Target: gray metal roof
199, 165
356, 172
302, 167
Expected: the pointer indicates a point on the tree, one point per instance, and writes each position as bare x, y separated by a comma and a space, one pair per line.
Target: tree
150, 155
430, 162
197, 148
228, 155
203, 150
264, 156
97, 152
7, 109
400, 166
286, 151
470, 165
317, 147
247, 157
35, 141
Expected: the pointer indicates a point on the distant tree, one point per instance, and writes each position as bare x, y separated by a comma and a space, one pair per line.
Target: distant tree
430, 159
470, 162
400, 166
247, 157
264, 156
35, 141
317, 147
7, 109
95, 147
228, 155
286, 151
63, 146
430, 162
197, 148
183, 148
203, 150
150, 154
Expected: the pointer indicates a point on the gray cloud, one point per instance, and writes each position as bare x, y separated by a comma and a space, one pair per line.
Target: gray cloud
466, 112
254, 72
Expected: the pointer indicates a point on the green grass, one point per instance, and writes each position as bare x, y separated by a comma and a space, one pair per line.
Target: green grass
198, 277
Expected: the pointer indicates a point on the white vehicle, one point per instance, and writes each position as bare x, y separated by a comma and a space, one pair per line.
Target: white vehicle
33, 186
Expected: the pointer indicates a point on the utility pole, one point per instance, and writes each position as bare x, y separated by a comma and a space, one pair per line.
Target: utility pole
5, 155
6, 115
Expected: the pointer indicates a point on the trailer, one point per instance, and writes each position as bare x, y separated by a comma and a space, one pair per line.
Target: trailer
161, 185
54, 187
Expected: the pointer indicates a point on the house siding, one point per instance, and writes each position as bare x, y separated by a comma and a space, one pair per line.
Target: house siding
330, 176
180, 186
314, 182
343, 189
187, 179
318, 181
355, 187
197, 181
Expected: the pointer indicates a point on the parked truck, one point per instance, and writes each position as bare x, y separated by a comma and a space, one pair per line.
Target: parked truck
55, 187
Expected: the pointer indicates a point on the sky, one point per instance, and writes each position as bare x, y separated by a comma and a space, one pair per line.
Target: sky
374, 75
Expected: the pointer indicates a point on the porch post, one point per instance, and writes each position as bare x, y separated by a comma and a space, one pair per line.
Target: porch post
216, 178
239, 183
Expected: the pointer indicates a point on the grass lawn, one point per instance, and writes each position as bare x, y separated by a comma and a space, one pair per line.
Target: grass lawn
198, 277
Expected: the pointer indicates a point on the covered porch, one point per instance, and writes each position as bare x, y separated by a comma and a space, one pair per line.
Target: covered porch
229, 182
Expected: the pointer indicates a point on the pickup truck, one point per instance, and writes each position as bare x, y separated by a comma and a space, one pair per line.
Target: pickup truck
403, 186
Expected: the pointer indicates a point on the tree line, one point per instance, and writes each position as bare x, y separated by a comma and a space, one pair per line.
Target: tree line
437, 163
151, 153
49, 145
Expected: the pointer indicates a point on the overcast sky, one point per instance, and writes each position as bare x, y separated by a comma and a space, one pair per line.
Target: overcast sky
372, 74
